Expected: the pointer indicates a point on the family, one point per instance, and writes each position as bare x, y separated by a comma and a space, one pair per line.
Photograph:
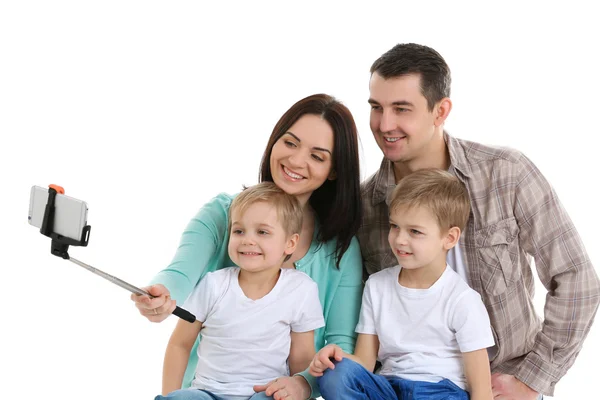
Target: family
414, 284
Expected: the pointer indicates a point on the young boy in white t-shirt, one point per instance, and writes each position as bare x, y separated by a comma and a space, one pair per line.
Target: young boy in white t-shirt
428, 328
257, 321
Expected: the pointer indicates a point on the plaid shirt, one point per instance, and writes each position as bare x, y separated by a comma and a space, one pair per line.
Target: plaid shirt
515, 215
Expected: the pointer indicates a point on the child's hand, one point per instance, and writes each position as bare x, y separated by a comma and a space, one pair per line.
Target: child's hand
322, 361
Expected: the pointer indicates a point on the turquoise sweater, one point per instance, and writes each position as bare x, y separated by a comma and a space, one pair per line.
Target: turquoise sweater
203, 248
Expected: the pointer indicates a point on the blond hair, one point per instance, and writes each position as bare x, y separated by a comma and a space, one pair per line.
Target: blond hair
437, 190
289, 210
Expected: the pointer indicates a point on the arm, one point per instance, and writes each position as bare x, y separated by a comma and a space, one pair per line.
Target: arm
477, 372
548, 234
302, 351
343, 314
177, 354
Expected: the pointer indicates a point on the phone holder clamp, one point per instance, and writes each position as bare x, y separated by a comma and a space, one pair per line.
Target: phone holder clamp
60, 244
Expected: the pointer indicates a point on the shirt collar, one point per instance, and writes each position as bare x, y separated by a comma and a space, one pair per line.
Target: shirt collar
385, 180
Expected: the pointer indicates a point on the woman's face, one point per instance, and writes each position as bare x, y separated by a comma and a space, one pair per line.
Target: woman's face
302, 159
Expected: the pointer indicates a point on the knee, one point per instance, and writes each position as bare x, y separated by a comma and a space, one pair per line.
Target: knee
341, 376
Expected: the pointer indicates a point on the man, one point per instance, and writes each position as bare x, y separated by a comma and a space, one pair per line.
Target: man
515, 215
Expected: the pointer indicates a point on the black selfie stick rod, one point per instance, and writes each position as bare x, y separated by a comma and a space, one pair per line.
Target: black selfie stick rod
180, 312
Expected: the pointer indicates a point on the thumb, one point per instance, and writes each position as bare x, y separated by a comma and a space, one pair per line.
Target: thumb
158, 290
259, 388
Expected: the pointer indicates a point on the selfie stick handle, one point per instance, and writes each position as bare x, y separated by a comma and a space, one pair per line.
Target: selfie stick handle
180, 312
60, 248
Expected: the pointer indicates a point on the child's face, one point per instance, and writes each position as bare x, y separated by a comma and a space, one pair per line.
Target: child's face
258, 241
416, 239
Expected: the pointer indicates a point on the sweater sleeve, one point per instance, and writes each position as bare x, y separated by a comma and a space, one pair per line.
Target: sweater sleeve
200, 249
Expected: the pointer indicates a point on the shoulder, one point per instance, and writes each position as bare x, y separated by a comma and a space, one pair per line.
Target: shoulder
458, 292
367, 187
298, 277
383, 277
220, 276
477, 152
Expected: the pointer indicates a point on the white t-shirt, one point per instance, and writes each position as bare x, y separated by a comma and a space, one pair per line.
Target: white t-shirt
422, 332
247, 342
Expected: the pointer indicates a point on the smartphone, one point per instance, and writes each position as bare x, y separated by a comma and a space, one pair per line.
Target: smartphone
70, 215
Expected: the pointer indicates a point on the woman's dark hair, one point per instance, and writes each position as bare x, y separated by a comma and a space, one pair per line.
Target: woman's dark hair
337, 203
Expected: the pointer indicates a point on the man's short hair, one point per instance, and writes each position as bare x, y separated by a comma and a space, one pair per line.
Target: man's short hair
410, 58
437, 190
289, 210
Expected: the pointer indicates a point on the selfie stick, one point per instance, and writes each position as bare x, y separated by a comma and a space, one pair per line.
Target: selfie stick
60, 247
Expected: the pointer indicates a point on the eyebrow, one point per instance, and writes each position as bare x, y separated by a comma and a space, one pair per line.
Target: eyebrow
314, 148
395, 103
234, 223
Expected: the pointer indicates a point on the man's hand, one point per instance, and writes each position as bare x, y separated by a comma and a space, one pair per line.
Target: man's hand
322, 361
286, 388
507, 387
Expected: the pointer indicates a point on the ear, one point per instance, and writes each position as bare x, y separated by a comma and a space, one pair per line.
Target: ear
442, 110
332, 175
291, 244
451, 237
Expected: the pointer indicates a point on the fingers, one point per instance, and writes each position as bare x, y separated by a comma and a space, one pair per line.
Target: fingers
155, 309
338, 353
325, 359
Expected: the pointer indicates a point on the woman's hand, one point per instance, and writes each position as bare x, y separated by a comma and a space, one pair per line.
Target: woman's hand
286, 388
156, 309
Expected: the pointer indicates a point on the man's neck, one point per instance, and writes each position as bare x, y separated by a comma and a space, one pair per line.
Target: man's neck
435, 155
256, 285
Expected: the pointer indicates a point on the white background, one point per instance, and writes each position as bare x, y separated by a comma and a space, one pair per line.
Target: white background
147, 109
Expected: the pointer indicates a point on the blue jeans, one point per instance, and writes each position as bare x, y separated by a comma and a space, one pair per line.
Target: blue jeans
350, 380
199, 394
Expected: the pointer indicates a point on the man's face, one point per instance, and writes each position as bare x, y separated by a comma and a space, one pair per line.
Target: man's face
400, 121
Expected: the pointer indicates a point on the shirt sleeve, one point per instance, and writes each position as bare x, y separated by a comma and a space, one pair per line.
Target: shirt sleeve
343, 314
310, 313
471, 323
199, 244
366, 320
548, 234
202, 298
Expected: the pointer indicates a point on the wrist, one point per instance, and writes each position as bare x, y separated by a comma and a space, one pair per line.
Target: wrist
306, 390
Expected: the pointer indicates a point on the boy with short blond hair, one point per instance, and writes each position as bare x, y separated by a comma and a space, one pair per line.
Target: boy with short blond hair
257, 321
420, 319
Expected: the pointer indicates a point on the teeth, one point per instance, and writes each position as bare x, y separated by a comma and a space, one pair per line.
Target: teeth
293, 175
392, 139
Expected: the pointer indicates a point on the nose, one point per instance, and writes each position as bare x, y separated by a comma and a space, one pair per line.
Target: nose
401, 238
298, 159
248, 240
387, 122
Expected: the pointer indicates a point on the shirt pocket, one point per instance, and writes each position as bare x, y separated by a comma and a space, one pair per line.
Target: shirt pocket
498, 253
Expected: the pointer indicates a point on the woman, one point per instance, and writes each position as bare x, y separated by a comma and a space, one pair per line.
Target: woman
313, 155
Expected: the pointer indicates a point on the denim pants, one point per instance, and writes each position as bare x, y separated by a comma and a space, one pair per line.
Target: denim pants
350, 380
199, 394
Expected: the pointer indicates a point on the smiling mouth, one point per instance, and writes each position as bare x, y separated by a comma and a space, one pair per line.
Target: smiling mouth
402, 253
250, 253
393, 139
291, 174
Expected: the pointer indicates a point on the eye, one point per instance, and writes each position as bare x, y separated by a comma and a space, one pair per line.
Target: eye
316, 157
237, 232
393, 226
263, 232
375, 108
289, 143
416, 232
401, 109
